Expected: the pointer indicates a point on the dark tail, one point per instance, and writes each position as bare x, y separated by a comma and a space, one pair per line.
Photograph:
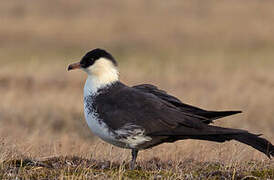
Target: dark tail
220, 134
256, 142
226, 134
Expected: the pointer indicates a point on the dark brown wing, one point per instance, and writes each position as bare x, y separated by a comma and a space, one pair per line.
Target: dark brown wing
209, 115
123, 106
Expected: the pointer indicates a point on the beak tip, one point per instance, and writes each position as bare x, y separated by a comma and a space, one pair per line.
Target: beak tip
74, 66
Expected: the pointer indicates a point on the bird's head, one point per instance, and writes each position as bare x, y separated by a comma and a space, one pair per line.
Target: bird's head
99, 65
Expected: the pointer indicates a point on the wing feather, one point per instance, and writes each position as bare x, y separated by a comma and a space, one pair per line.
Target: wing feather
209, 116
128, 105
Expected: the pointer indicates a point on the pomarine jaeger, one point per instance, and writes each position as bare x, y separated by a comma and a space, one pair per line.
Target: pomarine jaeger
144, 116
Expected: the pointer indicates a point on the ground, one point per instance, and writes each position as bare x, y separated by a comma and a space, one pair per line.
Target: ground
81, 168
210, 55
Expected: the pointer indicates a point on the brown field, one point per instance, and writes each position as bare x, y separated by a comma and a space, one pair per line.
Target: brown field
218, 55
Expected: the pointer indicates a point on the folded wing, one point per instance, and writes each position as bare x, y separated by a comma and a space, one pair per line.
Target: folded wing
209, 115
166, 122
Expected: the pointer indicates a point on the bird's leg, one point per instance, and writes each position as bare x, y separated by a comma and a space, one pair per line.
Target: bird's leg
134, 154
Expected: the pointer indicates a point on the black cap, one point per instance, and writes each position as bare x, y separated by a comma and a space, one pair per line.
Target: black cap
95, 54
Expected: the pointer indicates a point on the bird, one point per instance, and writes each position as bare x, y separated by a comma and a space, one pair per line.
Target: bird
143, 116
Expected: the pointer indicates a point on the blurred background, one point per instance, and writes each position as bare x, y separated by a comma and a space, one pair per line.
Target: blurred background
218, 55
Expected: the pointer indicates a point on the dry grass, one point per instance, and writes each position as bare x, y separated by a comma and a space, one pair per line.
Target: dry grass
80, 168
214, 54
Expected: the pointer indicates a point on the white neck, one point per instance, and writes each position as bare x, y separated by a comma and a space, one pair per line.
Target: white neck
101, 74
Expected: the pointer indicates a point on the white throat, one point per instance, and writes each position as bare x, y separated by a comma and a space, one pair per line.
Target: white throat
102, 73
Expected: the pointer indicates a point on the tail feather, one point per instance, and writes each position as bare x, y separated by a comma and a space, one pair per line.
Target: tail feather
220, 134
252, 140
256, 142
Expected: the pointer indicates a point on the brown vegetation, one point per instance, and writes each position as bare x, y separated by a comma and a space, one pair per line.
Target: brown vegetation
213, 54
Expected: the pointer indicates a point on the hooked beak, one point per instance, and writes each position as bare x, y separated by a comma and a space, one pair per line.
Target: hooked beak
74, 66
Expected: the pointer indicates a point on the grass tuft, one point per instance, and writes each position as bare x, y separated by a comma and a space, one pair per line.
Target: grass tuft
76, 167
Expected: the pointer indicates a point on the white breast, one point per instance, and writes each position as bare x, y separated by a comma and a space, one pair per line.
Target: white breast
97, 126
128, 136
